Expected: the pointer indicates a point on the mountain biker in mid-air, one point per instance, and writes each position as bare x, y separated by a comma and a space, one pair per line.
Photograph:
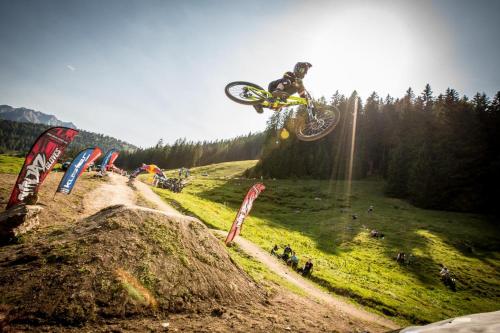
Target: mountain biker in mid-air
311, 121
290, 84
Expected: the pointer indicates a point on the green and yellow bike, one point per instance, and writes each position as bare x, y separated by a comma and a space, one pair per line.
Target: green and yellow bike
315, 123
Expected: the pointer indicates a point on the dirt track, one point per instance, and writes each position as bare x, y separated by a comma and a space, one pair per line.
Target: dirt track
149, 195
115, 192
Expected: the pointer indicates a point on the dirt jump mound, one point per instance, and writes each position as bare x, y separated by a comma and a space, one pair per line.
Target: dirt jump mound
122, 262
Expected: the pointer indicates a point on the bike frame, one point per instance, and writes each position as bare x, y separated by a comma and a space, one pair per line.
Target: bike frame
290, 101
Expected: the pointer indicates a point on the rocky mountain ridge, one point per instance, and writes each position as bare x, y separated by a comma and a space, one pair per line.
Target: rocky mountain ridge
26, 115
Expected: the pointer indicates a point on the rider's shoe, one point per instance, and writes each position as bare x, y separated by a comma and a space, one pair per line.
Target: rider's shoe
258, 108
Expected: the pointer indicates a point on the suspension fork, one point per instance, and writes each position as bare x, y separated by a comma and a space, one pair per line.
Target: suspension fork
310, 107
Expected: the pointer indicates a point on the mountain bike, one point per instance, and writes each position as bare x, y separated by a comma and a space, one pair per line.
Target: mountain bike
315, 123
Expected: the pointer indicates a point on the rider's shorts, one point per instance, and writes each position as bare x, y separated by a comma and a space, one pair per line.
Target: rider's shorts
282, 85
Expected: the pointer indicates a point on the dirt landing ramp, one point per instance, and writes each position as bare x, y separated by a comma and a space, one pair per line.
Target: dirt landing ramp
122, 262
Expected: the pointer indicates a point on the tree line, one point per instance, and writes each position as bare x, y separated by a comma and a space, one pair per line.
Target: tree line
18, 137
183, 153
436, 151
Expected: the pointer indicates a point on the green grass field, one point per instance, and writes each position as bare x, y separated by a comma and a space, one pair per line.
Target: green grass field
314, 217
10, 164
13, 164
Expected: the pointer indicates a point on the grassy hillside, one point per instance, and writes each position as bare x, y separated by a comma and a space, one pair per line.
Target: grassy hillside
314, 217
11, 164
217, 171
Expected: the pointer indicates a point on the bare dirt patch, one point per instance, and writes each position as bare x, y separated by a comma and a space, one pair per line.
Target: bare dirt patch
113, 191
122, 262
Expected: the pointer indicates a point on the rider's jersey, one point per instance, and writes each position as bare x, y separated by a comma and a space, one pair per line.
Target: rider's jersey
290, 84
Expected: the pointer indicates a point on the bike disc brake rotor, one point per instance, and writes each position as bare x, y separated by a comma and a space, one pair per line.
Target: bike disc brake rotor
316, 126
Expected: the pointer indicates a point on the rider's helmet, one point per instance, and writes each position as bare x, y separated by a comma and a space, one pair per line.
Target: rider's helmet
301, 68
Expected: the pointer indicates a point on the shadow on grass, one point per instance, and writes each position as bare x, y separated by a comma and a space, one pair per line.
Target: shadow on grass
370, 302
312, 209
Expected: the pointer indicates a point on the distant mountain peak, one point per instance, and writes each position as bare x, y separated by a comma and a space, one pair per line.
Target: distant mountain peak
26, 115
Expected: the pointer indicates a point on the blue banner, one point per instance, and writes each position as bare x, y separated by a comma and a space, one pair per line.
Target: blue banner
79, 164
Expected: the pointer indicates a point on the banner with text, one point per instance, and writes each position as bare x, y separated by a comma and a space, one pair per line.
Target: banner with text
42, 157
77, 167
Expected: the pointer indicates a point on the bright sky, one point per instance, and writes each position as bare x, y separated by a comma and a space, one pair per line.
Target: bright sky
145, 70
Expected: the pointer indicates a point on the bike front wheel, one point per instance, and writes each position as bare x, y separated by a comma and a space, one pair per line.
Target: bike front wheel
325, 119
245, 93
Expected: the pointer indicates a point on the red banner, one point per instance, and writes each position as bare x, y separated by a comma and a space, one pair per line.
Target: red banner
42, 157
245, 208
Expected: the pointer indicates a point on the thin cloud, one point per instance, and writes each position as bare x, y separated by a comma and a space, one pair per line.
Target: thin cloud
71, 68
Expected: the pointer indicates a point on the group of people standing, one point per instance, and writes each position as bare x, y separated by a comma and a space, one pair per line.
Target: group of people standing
290, 257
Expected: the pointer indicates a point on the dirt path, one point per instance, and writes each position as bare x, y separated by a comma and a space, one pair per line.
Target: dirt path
148, 194
114, 192
118, 192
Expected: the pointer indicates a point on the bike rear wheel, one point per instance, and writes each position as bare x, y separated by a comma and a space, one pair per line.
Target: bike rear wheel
240, 93
325, 120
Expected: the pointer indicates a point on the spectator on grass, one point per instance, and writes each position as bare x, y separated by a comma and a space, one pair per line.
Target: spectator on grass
376, 234
294, 260
354, 216
370, 209
445, 273
447, 279
400, 258
307, 270
274, 250
286, 253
